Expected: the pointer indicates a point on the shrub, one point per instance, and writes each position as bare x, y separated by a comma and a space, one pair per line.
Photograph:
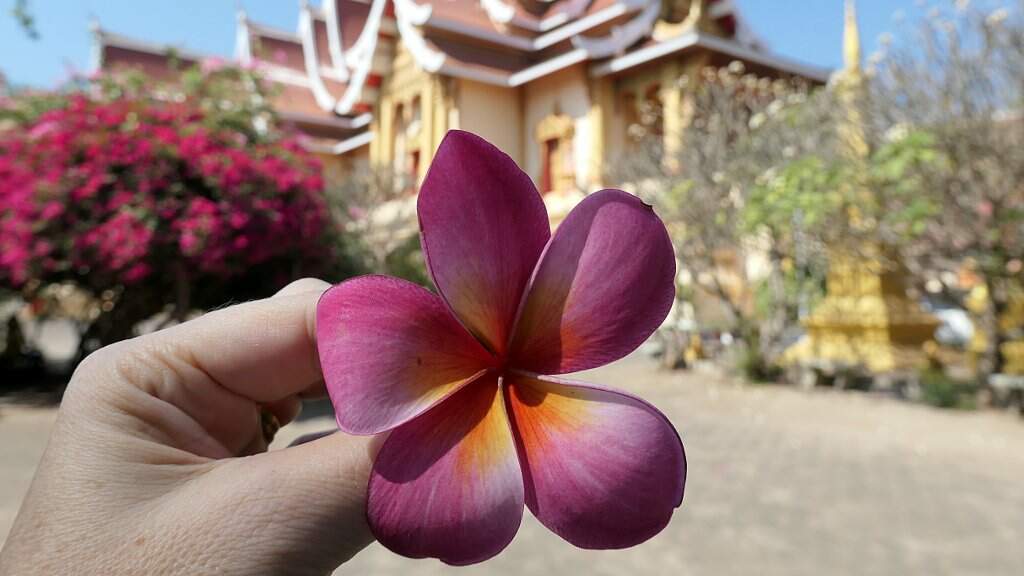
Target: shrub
146, 202
938, 389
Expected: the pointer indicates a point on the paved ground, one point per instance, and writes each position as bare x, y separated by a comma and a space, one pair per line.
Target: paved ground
780, 482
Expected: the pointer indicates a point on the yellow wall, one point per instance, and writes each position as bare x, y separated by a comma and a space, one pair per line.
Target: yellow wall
509, 117
406, 85
492, 112
562, 93
336, 169
635, 84
675, 101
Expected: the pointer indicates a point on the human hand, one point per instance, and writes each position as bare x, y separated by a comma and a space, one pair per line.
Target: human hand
158, 461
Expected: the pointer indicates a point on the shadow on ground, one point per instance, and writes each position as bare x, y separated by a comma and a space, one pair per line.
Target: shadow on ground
32, 385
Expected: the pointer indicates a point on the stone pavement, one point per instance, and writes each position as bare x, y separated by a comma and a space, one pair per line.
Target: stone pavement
780, 482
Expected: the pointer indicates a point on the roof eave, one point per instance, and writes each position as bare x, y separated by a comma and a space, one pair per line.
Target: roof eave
342, 147
694, 39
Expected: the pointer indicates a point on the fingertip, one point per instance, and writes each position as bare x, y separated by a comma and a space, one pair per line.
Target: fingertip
302, 286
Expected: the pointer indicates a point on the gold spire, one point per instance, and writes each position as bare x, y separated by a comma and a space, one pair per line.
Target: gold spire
851, 40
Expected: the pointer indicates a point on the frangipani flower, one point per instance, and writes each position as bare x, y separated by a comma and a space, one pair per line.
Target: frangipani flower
466, 381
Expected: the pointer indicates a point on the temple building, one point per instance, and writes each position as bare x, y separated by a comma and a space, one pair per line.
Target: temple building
555, 83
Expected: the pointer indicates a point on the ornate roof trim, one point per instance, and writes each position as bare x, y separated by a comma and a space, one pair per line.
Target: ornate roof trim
341, 122
546, 40
364, 46
323, 97
344, 146
501, 12
243, 44
334, 38
408, 16
622, 36
360, 57
355, 64
411, 15
587, 22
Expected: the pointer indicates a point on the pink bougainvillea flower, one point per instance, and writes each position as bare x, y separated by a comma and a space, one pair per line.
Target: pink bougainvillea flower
465, 380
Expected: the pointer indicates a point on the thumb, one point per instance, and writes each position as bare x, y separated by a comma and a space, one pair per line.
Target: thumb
309, 499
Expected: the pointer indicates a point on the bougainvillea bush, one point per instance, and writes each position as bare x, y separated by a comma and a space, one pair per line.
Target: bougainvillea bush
157, 203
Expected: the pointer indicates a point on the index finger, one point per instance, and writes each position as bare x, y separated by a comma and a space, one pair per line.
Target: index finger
264, 350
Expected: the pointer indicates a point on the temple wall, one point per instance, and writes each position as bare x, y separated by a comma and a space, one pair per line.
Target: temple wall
337, 168
564, 93
412, 116
658, 83
628, 91
494, 113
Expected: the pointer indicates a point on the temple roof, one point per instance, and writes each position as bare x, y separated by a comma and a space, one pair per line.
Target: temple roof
514, 42
329, 70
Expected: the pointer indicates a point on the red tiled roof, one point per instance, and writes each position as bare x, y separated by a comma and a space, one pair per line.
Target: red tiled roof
352, 16
469, 13
483, 57
278, 51
295, 103
159, 66
322, 43
540, 31
291, 98
540, 38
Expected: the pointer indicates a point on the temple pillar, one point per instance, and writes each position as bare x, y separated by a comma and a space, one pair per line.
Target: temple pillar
426, 135
442, 105
673, 122
381, 153
559, 129
602, 103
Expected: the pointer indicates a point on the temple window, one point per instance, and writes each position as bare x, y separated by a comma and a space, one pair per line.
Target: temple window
554, 136
630, 116
549, 159
399, 139
414, 167
643, 114
653, 115
415, 117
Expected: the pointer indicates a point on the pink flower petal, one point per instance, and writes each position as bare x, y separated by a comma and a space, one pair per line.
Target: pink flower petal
602, 469
389, 350
605, 282
483, 225
448, 484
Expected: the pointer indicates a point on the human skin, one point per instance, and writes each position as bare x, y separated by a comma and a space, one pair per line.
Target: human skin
158, 464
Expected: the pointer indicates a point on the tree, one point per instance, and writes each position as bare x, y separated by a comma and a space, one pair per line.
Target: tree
378, 206
22, 14
956, 95
742, 183
150, 205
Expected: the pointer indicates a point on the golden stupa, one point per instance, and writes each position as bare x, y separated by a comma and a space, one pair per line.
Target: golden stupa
866, 320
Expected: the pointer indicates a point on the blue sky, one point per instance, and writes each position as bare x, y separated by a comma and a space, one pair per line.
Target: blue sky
808, 30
